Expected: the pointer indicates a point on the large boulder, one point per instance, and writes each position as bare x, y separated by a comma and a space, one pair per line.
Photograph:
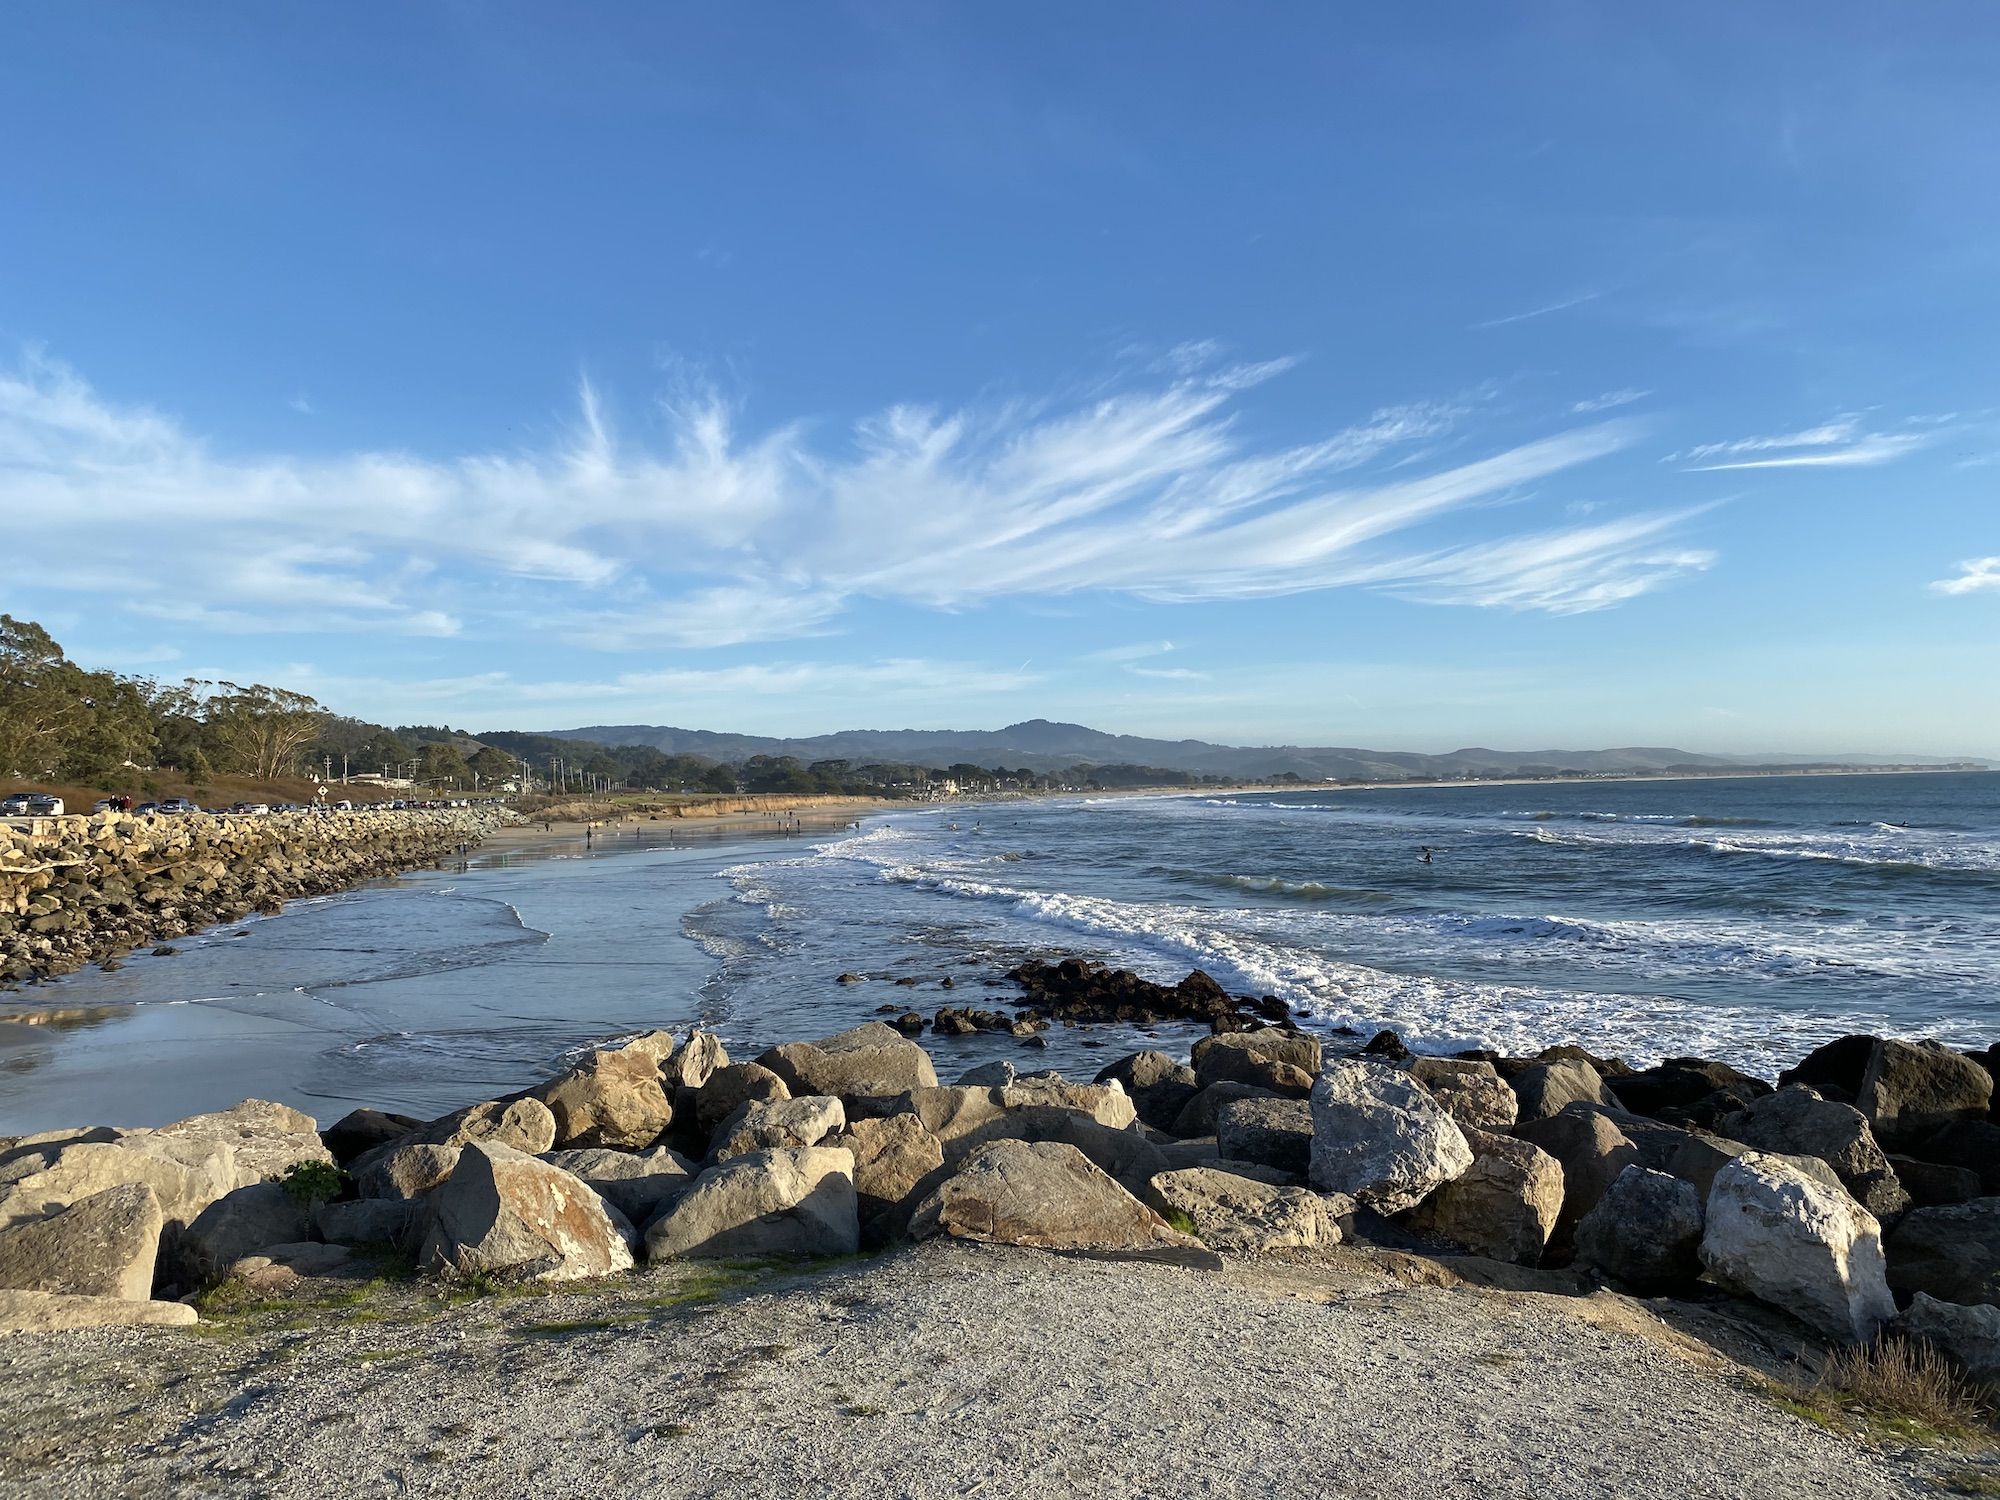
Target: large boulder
1106, 1103
1913, 1089
506, 1214
1796, 1121
871, 1062
369, 1221
767, 1203
1282, 1062
1159, 1087
1039, 1193
636, 1183
236, 1224
46, 1312
1953, 1253
1970, 1146
728, 1089
1787, 1239
683, 1065
1645, 1232
1504, 1205
1547, 1088
1967, 1336
892, 1155
101, 1246
1199, 1115
526, 1125
1123, 1154
1592, 1151
1681, 1084
1932, 1185
185, 1175
1834, 1069
1229, 1212
362, 1130
1379, 1137
1472, 1092
1270, 1132
265, 1138
404, 1171
778, 1124
613, 1099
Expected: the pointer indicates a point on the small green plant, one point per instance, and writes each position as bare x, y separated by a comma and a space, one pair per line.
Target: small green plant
312, 1181
1176, 1219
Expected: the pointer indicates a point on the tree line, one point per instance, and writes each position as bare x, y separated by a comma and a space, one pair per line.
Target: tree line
60, 722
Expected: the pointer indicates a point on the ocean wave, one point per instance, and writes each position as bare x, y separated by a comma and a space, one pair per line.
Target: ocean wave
1959, 858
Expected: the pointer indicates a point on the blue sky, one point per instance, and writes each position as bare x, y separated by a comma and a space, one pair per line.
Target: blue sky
1526, 375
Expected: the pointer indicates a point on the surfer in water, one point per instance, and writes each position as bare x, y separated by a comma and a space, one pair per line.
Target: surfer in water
1424, 855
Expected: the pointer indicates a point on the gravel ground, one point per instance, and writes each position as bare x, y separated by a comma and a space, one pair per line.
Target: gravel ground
943, 1370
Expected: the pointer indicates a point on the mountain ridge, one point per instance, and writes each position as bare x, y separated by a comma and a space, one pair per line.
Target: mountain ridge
1044, 745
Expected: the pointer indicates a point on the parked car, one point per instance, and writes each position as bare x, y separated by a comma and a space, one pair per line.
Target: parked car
343, 805
32, 805
174, 806
146, 809
251, 809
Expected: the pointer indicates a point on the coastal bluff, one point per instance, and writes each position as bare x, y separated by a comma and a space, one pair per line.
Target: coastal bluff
81, 890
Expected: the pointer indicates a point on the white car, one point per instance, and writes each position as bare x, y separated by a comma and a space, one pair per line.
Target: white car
33, 805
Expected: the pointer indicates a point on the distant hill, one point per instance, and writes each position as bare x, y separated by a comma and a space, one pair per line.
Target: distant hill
1043, 746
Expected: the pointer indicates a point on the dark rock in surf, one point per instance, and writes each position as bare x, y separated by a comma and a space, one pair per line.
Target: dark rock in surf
1079, 992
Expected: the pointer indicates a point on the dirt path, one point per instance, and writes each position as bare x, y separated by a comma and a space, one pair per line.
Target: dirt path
944, 1370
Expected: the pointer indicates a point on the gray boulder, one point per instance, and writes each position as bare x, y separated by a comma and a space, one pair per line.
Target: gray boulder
362, 1130
637, 1184
892, 1156
526, 1125
1788, 1239
1043, 1194
870, 1062
185, 1176
1379, 1137
48, 1312
1592, 1151
1912, 1089
1235, 1213
729, 1088
369, 1221
506, 1214
798, 1202
1249, 1057
683, 1065
1199, 1115
404, 1171
1796, 1121
615, 1099
1548, 1088
989, 1075
1159, 1087
101, 1246
1967, 1336
1953, 1253
238, 1223
1472, 1093
264, 1138
787, 1124
1270, 1132
1504, 1205
1933, 1185
1645, 1232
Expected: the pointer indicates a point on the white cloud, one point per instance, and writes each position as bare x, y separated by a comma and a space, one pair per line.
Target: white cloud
1840, 443
1975, 575
711, 537
1138, 651
1540, 312
1608, 401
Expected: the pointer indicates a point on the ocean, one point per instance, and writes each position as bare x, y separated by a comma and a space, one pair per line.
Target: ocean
1745, 919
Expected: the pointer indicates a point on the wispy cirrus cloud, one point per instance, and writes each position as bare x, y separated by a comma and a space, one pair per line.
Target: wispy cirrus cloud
702, 534
1840, 443
1975, 575
1608, 401
1540, 312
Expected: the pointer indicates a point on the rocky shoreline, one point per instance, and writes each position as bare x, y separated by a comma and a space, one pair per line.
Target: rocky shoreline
82, 890
1858, 1194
